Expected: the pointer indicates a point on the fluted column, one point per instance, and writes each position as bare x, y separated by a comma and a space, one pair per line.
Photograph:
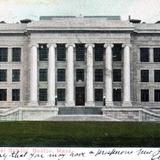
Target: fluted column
89, 87
126, 75
33, 76
108, 75
70, 75
51, 75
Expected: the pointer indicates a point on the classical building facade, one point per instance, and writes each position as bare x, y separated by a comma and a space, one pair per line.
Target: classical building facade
80, 68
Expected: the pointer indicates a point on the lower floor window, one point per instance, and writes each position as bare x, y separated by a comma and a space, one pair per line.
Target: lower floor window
43, 94
61, 94
116, 94
98, 96
15, 94
3, 94
144, 95
157, 95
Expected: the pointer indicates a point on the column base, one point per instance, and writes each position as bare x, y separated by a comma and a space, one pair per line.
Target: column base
50, 104
90, 103
109, 104
35, 104
127, 104
69, 104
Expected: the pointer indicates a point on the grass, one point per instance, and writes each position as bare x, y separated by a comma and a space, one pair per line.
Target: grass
80, 134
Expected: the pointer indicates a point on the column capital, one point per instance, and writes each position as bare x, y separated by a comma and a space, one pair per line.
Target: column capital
51, 45
89, 44
108, 45
126, 44
70, 44
33, 45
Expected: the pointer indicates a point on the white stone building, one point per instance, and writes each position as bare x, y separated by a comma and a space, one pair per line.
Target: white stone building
80, 68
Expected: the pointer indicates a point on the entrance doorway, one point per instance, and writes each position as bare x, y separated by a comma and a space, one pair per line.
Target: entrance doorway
80, 96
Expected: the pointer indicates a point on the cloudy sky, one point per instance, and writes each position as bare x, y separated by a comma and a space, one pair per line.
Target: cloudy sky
14, 10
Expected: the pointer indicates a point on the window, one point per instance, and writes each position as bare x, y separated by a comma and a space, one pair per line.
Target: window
43, 52
79, 74
61, 52
80, 51
156, 54
3, 75
99, 50
3, 54
3, 94
144, 54
43, 75
157, 95
116, 75
116, 94
15, 94
98, 96
157, 75
60, 75
16, 54
99, 75
117, 52
43, 94
15, 75
61, 94
144, 75
144, 95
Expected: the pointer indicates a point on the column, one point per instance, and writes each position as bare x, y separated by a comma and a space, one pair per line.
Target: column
33, 76
70, 75
108, 75
126, 75
89, 81
51, 75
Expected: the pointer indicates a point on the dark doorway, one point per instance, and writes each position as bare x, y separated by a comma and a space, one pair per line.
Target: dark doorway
80, 96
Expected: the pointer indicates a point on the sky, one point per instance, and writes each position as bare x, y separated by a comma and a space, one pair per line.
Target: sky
12, 11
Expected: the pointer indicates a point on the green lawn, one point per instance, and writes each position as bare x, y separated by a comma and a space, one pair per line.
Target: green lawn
79, 134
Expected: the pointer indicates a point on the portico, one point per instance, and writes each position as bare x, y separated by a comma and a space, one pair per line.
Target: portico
86, 91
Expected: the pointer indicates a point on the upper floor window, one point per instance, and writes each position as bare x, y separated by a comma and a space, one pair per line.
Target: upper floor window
117, 52
43, 52
43, 75
15, 75
15, 94
157, 75
79, 74
144, 54
3, 94
3, 75
80, 52
99, 75
3, 54
156, 54
43, 94
116, 75
16, 54
61, 75
144, 75
99, 50
61, 52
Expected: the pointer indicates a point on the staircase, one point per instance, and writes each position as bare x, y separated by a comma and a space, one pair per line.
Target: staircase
80, 110
78, 113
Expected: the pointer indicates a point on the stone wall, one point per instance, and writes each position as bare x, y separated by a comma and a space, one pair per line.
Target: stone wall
28, 114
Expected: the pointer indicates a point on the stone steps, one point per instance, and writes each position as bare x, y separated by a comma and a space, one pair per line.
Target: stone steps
80, 110
79, 118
